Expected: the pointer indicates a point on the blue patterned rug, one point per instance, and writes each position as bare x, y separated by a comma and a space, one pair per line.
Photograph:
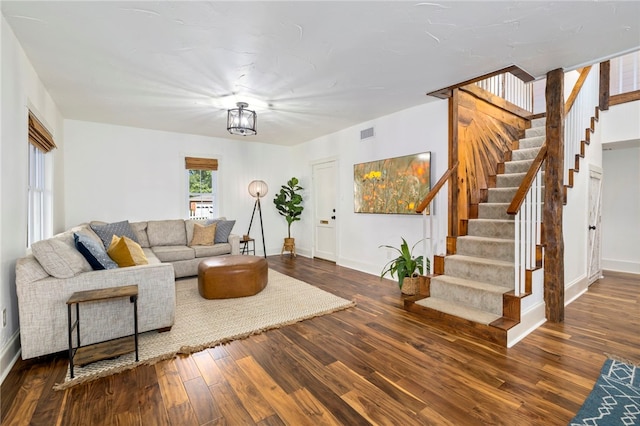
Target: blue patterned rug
615, 398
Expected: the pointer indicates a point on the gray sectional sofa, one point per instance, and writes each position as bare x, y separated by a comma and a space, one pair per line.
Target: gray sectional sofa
55, 268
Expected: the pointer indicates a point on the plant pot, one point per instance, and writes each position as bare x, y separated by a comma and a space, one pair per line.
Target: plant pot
289, 245
410, 286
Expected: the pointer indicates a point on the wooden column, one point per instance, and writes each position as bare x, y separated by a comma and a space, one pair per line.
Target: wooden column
605, 79
553, 198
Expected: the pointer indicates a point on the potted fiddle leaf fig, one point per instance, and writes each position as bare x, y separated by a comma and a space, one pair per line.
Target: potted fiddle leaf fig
289, 204
406, 267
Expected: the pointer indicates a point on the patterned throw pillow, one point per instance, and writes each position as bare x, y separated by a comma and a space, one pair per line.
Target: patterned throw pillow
126, 252
223, 230
93, 252
121, 229
203, 235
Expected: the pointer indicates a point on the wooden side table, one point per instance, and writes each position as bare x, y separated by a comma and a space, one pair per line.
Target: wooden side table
83, 355
246, 249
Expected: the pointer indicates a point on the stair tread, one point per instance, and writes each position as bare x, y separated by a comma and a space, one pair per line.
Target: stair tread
477, 285
484, 260
459, 310
488, 239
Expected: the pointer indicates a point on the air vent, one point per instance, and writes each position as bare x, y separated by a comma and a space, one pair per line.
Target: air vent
366, 133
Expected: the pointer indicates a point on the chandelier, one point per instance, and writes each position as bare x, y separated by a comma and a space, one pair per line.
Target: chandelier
241, 121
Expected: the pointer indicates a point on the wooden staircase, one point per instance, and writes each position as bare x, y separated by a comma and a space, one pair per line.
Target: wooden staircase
473, 293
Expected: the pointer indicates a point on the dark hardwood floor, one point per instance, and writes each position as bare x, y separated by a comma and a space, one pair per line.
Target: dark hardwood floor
372, 364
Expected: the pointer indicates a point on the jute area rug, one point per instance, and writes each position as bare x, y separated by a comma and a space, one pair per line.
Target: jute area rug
615, 398
202, 323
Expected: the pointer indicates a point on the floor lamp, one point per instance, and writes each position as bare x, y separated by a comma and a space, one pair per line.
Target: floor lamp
258, 189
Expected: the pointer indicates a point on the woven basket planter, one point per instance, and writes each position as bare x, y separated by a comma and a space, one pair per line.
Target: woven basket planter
410, 286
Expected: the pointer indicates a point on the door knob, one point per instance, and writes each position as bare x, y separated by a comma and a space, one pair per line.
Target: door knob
592, 227
333, 217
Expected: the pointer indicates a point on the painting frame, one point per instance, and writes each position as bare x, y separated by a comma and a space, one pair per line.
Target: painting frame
394, 185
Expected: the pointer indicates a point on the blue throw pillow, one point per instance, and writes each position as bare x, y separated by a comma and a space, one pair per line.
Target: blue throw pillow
120, 229
93, 252
223, 229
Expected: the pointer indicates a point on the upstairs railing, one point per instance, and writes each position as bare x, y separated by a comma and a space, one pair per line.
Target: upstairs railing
510, 88
428, 211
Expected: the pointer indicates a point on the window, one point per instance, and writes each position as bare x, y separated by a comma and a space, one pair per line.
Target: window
202, 181
39, 196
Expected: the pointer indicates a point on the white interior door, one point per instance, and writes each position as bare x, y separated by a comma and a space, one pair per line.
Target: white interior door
595, 208
324, 188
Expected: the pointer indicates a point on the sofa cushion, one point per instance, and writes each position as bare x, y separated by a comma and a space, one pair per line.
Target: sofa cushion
94, 252
58, 258
140, 231
223, 229
166, 233
203, 235
126, 252
105, 232
214, 250
173, 253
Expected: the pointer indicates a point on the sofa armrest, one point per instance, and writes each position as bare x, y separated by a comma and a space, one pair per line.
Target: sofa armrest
43, 310
234, 240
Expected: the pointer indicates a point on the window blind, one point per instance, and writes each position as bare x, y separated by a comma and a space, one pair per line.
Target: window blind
39, 136
195, 163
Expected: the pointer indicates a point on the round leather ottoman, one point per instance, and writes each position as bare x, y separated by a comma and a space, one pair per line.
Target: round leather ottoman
225, 277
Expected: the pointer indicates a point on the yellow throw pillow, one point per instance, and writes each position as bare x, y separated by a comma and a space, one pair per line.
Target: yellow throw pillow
203, 235
126, 252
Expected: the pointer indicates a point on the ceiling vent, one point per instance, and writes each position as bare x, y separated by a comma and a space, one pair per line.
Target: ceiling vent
366, 133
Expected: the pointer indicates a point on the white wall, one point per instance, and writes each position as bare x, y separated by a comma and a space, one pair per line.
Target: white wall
621, 188
621, 210
116, 173
21, 90
576, 222
418, 129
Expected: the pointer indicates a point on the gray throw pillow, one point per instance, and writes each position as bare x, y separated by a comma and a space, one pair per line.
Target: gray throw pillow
59, 259
223, 229
106, 232
93, 252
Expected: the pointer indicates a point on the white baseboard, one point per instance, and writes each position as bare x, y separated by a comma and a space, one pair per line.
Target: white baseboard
575, 289
10, 354
621, 266
529, 321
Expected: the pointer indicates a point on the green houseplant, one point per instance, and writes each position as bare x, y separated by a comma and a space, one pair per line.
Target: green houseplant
289, 204
406, 267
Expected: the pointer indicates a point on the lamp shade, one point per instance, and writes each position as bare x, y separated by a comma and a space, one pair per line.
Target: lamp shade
241, 121
258, 188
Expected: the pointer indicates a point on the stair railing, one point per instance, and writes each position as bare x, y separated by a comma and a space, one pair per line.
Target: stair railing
510, 88
428, 211
579, 108
526, 207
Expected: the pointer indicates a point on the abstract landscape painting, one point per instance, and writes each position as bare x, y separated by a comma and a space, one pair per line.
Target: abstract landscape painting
392, 186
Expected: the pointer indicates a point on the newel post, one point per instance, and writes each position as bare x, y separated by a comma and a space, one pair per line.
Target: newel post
553, 198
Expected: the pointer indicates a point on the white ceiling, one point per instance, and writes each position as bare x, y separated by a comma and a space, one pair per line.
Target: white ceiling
309, 68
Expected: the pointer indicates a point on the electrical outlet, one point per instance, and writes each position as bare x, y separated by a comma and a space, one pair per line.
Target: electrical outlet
4, 317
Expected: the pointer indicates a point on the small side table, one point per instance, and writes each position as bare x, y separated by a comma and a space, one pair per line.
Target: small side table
246, 248
83, 355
